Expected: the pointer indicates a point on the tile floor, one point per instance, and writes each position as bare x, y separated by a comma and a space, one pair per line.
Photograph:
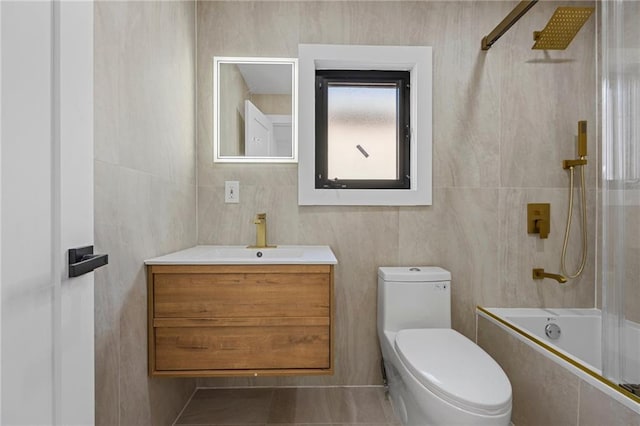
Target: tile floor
336, 406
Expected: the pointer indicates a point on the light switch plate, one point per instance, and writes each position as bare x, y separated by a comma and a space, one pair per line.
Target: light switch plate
231, 191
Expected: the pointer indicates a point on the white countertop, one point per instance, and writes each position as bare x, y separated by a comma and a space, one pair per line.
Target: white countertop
241, 255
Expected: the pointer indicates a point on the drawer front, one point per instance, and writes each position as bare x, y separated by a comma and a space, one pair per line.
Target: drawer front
241, 295
226, 348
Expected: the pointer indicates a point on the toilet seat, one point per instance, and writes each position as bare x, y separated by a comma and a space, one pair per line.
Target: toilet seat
455, 369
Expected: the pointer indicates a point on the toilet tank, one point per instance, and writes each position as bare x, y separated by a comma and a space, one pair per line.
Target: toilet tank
413, 297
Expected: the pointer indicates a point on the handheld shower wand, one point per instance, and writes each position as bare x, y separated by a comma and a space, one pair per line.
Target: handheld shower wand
582, 139
571, 165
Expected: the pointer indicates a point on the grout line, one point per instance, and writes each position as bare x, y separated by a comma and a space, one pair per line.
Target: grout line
578, 401
185, 406
270, 410
476, 318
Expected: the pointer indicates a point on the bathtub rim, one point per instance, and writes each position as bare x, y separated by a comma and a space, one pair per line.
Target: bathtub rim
621, 395
511, 316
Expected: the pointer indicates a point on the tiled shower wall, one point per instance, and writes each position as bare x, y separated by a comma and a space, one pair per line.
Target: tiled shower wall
145, 192
503, 122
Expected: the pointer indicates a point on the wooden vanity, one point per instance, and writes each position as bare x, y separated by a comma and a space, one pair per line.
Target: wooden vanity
240, 319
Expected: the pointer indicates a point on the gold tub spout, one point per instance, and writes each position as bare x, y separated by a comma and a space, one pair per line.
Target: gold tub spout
539, 273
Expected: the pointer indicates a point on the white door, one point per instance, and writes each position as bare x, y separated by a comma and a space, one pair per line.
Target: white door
258, 132
282, 135
46, 207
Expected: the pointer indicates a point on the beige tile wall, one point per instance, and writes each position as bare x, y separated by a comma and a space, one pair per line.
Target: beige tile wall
503, 122
597, 409
622, 254
145, 193
631, 307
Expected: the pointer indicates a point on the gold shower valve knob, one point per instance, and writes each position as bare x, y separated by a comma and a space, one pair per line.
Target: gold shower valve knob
539, 219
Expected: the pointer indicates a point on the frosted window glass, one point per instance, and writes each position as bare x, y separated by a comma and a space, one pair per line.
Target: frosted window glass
362, 132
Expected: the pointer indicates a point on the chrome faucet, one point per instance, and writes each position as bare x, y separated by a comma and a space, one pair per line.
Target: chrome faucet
539, 273
261, 231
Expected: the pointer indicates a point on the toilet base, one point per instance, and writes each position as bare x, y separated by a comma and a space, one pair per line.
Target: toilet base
415, 405
430, 410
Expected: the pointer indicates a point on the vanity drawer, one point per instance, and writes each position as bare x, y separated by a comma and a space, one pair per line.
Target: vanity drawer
242, 295
240, 320
242, 348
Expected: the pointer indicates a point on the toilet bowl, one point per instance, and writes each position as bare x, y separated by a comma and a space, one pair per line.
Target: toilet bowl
436, 376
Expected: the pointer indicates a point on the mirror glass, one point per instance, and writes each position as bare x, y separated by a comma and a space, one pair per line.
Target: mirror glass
255, 110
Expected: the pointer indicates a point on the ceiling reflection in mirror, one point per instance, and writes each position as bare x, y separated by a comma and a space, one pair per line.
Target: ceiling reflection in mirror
254, 110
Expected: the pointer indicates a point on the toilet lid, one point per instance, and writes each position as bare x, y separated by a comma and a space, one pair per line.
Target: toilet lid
455, 369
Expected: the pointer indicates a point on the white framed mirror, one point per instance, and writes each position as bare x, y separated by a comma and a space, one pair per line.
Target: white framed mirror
255, 110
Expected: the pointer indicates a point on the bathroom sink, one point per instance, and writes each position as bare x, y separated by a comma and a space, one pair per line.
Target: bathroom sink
234, 255
259, 253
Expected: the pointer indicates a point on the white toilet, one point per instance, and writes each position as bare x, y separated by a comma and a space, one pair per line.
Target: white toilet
436, 376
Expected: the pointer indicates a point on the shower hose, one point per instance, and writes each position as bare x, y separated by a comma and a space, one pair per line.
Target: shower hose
568, 229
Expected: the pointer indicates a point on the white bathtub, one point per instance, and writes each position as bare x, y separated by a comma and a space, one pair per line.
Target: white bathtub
578, 347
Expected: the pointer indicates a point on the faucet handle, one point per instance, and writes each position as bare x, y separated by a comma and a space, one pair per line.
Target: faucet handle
539, 219
260, 218
542, 227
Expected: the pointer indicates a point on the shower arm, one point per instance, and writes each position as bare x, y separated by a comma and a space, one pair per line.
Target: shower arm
517, 13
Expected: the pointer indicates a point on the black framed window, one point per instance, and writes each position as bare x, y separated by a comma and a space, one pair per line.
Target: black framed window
362, 129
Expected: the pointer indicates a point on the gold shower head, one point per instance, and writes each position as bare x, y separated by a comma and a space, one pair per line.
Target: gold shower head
561, 28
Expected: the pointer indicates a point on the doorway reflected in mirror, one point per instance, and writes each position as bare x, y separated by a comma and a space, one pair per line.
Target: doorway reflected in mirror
254, 109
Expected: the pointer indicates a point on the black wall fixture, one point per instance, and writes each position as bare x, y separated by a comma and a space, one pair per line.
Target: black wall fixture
82, 260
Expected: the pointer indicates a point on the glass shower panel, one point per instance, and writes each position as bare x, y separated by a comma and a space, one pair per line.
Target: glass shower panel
620, 241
